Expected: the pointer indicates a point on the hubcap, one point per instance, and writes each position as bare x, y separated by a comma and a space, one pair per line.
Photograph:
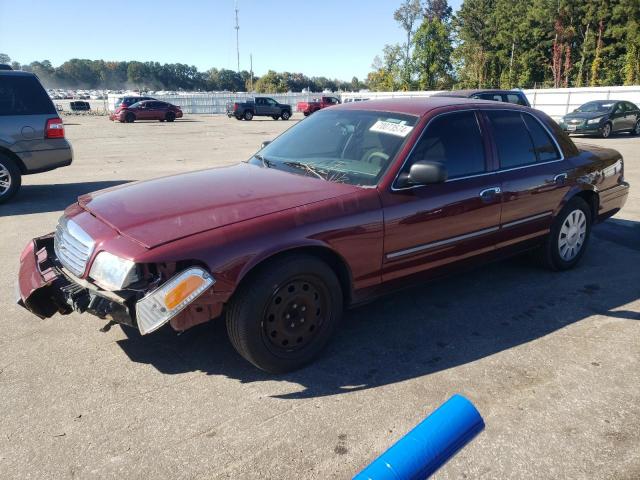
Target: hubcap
5, 179
637, 129
295, 314
606, 131
572, 235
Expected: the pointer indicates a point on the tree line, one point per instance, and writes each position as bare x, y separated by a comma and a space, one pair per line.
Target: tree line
512, 43
485, 44
100, 74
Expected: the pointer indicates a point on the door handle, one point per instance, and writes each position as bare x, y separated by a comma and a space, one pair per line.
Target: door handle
489, 194
559, 179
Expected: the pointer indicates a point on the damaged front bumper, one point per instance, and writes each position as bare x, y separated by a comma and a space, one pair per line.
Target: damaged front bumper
46, 288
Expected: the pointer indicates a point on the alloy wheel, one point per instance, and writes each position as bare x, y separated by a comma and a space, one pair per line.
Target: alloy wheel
5, 180
636, 130
572, 235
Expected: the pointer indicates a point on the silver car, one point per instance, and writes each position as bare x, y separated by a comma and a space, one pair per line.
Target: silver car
31, 131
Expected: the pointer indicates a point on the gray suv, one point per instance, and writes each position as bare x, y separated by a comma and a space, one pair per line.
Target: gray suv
31, 131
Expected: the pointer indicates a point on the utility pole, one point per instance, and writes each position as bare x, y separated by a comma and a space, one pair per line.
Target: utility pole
251, 70
237, 27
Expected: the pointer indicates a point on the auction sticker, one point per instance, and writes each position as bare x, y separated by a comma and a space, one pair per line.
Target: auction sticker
391, 128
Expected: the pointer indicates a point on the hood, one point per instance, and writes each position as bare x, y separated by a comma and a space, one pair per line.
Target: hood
585, 115
158, 211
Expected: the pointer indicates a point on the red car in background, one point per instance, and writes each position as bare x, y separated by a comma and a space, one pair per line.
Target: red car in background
307, 108
147, 110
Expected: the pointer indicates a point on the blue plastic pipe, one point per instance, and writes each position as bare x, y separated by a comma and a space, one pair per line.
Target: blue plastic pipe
429, 445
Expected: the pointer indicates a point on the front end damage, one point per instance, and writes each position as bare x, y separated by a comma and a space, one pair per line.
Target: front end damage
162, 295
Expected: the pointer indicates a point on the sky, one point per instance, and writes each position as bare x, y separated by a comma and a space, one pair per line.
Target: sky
332, 38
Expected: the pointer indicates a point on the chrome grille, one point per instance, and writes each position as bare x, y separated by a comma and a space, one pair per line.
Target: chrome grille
73, 246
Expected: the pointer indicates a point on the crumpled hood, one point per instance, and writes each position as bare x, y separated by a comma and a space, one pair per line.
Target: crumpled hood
158, 211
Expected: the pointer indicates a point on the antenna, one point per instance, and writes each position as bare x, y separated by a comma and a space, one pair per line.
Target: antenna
237, 27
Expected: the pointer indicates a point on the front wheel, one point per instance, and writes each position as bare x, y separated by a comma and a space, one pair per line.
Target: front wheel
285, 115
567, 241
170, 117
285, 313
10, 178
636, 129
606, 130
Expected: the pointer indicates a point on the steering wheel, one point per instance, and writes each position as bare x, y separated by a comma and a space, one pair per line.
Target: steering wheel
376, 154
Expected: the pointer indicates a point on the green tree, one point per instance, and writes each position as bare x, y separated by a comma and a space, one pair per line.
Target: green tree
432, 55
408, 15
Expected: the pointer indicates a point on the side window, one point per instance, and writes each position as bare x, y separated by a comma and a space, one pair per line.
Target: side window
515, 98
441, 142
489, 96
259, 101
630, 106
619, 108
543, 145
23, 95
512, 138
270, 101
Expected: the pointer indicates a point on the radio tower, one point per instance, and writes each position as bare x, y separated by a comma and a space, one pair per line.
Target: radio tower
237, 27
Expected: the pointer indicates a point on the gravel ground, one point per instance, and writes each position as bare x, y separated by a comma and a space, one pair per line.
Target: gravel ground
552, 360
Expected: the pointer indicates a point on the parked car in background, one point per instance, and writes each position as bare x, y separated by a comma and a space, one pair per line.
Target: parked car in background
516, 97
79, 106
130, 100
307, 108
259, 107
147, 110
31, 131
603, 117
352, 203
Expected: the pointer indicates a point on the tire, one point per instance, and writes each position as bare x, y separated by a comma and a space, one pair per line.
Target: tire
170, 117
300, 289
10, 178
552, 254
238, 117
275, 117
606, 130
306, 114
129, 118
248, 115
636, 129
285, 115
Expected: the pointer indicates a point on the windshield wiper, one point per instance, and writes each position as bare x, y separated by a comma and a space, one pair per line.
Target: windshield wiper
265, 161
307, 168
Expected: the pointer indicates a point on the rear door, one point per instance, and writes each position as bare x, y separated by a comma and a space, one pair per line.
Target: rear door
532, 173
25, 108
433, 225
618, 117
261, 106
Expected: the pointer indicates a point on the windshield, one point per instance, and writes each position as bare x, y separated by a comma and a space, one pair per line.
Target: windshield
346, 146
595, 107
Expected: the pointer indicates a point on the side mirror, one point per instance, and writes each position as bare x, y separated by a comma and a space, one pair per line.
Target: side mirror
424, 172
265, 143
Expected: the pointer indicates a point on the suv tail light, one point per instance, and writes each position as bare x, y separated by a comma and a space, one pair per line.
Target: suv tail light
235, 107
54, 128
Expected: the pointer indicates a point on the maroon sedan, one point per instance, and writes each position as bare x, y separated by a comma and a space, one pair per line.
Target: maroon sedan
147, 110
353, 202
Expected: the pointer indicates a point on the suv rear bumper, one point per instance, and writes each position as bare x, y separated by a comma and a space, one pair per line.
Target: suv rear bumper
38, 161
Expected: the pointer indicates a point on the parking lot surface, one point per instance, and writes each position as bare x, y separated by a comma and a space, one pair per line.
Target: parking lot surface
551, 360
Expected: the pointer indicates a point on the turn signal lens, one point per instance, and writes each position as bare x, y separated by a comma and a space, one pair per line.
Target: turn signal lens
182, 291
168, 300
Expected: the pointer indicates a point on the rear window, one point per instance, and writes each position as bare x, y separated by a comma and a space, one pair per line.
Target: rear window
517, 99
512, 138
23, 95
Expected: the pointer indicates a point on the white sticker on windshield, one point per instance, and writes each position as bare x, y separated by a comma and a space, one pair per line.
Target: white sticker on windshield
391, 128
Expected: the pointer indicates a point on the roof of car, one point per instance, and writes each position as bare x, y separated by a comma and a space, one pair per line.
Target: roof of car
418, 105
472, 91
17, 73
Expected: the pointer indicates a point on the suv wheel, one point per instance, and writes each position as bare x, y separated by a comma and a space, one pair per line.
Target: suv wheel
275, 117
10, 178
567, 241
248, 115
286, 115
284, 315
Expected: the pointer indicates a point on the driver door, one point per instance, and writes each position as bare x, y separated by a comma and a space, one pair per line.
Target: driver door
433, 225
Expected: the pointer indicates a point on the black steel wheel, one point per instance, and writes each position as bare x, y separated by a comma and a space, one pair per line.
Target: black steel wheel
284, 314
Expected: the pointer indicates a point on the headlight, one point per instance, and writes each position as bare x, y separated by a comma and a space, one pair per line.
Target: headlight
165, 302
594, 120
113, 273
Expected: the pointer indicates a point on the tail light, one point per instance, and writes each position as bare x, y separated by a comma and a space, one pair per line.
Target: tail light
235, 107
54, 128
